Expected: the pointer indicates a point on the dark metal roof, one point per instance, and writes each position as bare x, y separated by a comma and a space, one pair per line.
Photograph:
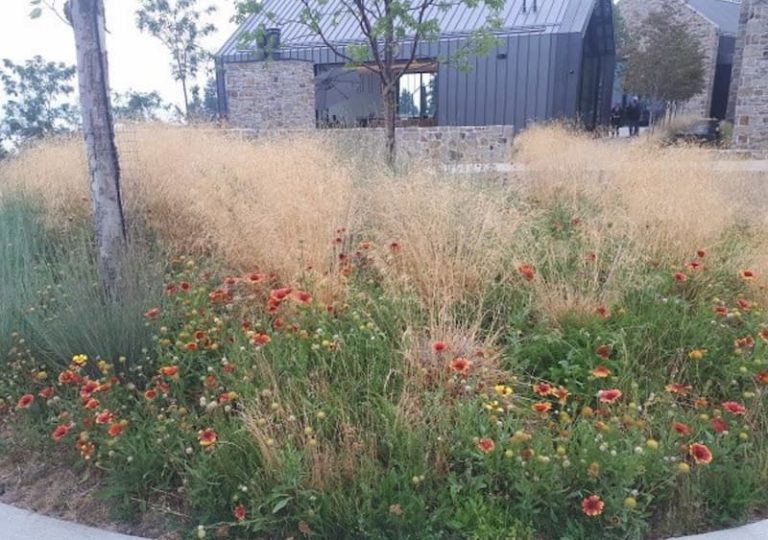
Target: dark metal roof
723, 13
550, 16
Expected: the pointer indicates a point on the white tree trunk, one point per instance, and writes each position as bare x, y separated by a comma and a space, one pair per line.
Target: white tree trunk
87, 18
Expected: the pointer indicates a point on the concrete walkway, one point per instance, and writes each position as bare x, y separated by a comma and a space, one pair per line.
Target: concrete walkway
18, 524
755, 531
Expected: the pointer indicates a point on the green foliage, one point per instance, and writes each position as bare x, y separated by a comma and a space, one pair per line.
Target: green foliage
140, 106
664, 59
37, 103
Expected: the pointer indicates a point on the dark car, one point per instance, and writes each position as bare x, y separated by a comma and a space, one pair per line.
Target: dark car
699, 132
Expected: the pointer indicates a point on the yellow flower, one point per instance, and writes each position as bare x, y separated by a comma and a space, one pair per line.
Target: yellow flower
697, 354
41, 375
103, 366
79, 359
503, 390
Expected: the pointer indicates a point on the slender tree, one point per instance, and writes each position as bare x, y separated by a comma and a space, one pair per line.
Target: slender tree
392, 31
179, 26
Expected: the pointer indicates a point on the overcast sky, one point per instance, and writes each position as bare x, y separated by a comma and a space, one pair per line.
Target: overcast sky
136, 61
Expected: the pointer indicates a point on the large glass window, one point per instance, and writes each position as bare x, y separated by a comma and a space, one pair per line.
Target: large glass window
417, 96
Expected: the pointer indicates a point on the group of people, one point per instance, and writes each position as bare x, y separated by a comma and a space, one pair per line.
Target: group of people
631, 114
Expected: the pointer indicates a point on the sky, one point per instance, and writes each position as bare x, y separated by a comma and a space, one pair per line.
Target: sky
136, 61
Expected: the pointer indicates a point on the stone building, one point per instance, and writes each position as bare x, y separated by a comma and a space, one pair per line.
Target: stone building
715, 25
750, 86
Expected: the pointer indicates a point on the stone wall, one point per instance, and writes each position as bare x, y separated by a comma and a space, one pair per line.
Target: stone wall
635, 12
450, 145
737, 57
750, 130
276, 94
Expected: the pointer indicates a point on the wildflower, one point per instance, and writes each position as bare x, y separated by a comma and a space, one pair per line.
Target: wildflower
592, 506
395, 247
744, 343
602, 311
170, 371
700, 454
680, 277
25, 401
542, 406
79, 359
461, 365
720, 311
653, 444
747, 275
170, 288
630, 503
185, 286
762, 377
105, 417
561, 393
527, 271
207, 437
700, 403
677, 388
744, 305
718, 425
395, 509
261, 339
302, 297
150, 394
503, 390
46, 393
694, 265
61, 431
682, 429
601, 372
609, 396
701, 254
603, 351
88, 389
117, 428
697, 354
486, 445
239, 512
86, 449
763, 334
191, 346
254, 277
734, 408
91, 404
683, 468
543, 389
439, 346
593, 470
152, 313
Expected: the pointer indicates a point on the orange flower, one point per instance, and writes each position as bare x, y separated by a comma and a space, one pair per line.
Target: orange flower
105, 417
762, 377
700, 454
680, 277
763, 333
542, 406
46, 393
207, 437
745, 342
150, 394
461, 365
700, 403
682, 429
69, 377
609, 396
61, 431
239, 512
439, 346
152, 313
486, 445
543, 389
91, 404
592, 506
25, 401
261, 339
170, 371
220, 296
677, 388
603, 351
601, 372
747, 275
86, 449
734, 408
191, 346
117, 428
718, 425
527, 271
561, 393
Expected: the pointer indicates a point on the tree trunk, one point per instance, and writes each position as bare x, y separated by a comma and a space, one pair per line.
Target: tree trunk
390, 118
186, 98
390, 84
87, 18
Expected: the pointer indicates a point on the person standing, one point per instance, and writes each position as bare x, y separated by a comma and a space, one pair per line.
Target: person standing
616, 116
633, 117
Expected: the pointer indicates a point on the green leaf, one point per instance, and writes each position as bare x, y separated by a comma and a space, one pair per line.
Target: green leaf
35, 13
280, 505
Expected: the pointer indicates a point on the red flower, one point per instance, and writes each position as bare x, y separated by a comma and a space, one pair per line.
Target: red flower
25, 401
602, 311
170, 289
302, 297
439, 346
680, 277
152, 313
543, 389
207, 437
91, 404
561, 393
700, 454
395, 247
682, 429
170, 371
718, 425
185, 286
762, 377
527, 271
486, 445
745, 342
261, 339
603, 351
694, 265
701, 254
744, 305
117, 428
601, 372
763, 333
542, 406
609, 396
721, 311
105, 417
69, 377
61, 431
46, 393
88, 389
734, 408
254, 278
150, 394
592, 506
461, 365
280, 294
239, 512
747, 275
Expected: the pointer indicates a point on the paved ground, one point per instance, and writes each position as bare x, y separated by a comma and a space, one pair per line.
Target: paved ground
18, 524
755, 531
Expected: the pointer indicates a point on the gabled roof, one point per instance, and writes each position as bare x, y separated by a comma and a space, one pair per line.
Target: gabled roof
723, 13
456, 19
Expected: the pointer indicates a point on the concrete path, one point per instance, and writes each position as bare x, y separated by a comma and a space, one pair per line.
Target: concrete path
755, 531
18, 524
